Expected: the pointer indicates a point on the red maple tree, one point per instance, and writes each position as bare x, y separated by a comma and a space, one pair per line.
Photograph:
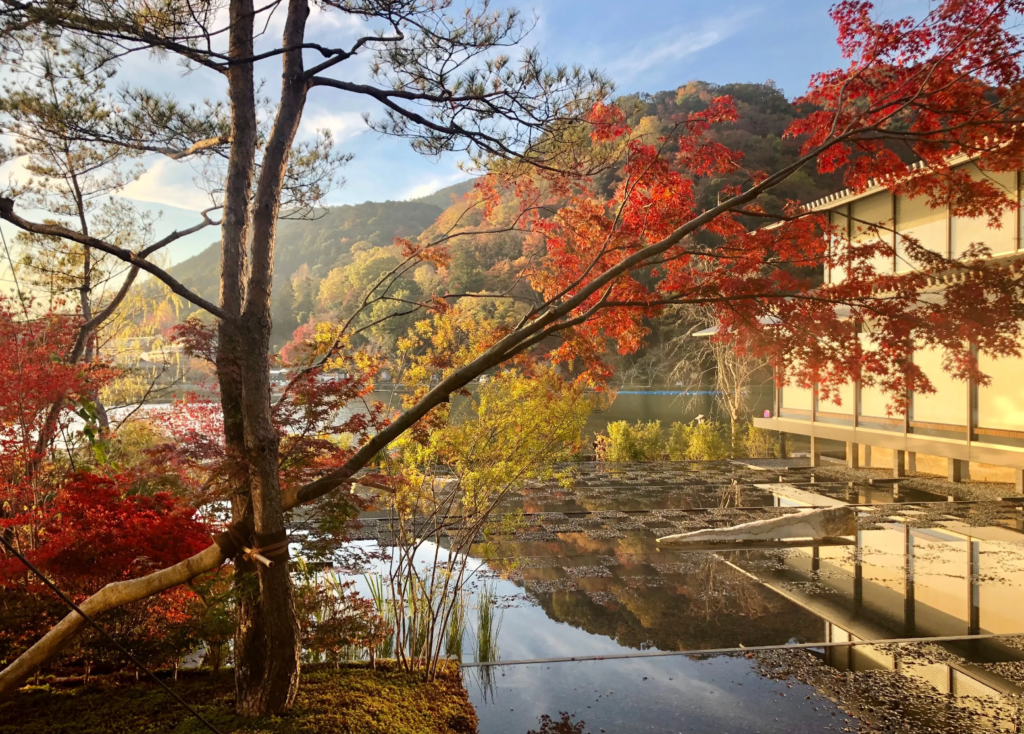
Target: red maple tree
917, 98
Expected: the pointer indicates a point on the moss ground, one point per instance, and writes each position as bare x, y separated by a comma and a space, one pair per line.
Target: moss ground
350, 700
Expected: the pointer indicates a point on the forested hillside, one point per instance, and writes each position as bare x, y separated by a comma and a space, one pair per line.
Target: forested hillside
313, 247
324, 264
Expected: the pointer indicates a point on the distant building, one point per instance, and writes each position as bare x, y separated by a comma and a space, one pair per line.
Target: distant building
964, 430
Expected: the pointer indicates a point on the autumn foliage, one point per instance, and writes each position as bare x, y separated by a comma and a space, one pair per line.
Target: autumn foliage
917, 99
95, 531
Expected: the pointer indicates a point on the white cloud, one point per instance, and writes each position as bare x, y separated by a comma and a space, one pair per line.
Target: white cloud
14, 171
343, 125
171, 183
675, 45
321, 16
435, 183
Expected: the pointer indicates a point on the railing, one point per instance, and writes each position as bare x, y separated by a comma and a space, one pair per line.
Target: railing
950, 427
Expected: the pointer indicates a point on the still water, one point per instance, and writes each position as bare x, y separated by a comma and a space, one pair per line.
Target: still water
585, 577
665, 404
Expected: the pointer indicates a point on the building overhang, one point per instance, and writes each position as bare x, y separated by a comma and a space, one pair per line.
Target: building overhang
949, 448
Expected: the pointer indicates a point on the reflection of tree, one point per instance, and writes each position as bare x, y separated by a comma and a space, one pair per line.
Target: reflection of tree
690, 601
565, 724
728, 593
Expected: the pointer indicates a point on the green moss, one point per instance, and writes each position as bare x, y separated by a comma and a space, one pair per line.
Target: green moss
350, 700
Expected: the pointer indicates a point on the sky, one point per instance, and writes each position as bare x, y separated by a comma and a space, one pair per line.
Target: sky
642, 45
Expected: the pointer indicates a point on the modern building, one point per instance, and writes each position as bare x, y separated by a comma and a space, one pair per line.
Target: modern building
963, 430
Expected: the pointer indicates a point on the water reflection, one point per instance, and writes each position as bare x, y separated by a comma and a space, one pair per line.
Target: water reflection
720, 695
584, 577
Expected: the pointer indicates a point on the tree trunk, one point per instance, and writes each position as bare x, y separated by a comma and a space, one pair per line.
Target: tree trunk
267, 664
734, 428
251, 651
267, 676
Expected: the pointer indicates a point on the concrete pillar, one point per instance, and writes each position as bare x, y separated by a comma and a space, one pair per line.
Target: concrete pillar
815, 452
1018, 481
958, 470
899, 468
782, 446
911, 461
867, 456
852, 455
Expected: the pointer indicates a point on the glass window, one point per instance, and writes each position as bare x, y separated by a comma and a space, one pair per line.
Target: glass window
800, 398
839, 218
873, 400
840, 402
1001, 403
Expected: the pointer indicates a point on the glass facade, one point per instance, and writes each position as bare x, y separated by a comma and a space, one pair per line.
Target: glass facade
1001, 403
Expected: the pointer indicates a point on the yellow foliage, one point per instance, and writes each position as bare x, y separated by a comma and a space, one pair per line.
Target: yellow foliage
517, 428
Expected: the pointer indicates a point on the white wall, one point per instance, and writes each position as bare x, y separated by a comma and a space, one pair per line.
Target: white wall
948, 404
968, 230
1001, 404
927, 225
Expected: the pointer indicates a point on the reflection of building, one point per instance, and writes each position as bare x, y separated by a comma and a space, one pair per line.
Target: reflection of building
899, 581
961, 424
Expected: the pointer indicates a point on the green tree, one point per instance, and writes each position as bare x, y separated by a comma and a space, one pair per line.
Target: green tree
468, 97
283, 313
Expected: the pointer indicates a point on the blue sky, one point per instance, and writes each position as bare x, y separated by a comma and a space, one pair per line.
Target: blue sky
643, 45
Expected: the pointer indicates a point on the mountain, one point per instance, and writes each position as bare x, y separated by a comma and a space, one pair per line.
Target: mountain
352, 240
443, 198
321, 242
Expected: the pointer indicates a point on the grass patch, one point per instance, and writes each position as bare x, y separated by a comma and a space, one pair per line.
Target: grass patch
352, 699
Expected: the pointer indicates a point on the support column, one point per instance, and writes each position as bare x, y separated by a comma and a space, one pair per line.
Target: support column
858, 573
782, 446
958, 470
867, 456
912, 461
815, 452
1018, 481
909, 607
852, 455
898, 463
973, 587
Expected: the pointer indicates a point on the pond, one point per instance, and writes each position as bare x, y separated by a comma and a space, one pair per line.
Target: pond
629, 403
582, 577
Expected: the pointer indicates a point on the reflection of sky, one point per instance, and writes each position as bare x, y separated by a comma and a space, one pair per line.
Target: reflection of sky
720, 696
675, 694
678, 600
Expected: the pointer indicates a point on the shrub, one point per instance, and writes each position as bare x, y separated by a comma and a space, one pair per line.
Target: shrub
759, 443
695, 441
638, 442
678, 441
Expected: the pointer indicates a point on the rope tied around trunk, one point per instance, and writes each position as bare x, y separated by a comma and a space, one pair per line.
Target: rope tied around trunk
261, 547
271, 545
